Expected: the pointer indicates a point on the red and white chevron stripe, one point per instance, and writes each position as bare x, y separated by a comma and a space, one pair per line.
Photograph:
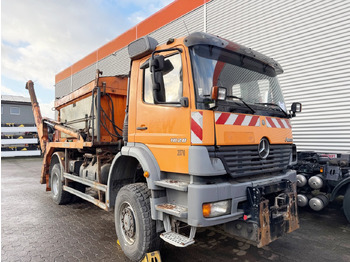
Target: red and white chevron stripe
197, 127
277, 122
236, 119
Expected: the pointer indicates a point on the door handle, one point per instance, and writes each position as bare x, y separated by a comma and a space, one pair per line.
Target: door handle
142, 128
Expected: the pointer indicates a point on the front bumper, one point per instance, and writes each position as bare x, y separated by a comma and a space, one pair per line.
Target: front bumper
268, 205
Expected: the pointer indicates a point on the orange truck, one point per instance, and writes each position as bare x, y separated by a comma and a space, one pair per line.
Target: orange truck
196, 135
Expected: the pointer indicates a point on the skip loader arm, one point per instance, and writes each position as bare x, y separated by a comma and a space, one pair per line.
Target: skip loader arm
47, 147
42, 132
41, 123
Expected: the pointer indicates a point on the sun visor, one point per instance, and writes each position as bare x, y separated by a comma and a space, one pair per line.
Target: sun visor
200, 38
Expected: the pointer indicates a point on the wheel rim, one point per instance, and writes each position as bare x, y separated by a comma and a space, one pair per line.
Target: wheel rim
55, 185
127, 223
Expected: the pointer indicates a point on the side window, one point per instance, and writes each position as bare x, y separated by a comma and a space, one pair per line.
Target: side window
172, 82
147, 87
14, 110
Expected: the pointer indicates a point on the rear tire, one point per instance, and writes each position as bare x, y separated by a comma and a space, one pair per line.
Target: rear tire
59, 196
346, 204
135, 228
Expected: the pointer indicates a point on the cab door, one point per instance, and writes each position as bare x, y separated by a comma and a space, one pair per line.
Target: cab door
165, 128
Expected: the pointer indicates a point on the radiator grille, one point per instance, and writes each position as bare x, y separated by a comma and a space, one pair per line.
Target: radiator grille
245, 161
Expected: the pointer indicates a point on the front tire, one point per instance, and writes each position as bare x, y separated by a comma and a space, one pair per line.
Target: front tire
135, 228
346, 204
59, 196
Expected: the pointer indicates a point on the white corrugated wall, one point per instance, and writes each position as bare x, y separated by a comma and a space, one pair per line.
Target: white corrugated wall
310, 39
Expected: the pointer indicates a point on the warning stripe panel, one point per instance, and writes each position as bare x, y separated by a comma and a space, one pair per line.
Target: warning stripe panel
269, 122
278, 122
236, 119
248, 120
197, 127
222, 118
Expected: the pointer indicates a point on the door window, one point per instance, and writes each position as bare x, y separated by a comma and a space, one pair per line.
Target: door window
172, 82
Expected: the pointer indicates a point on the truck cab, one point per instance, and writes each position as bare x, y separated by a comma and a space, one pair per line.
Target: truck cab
210, 117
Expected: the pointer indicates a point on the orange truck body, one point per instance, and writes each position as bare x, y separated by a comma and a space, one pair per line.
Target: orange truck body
186, 154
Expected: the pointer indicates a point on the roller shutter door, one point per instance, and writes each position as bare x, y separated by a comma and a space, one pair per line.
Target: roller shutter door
311, 40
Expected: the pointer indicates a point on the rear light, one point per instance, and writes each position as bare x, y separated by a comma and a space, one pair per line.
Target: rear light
216, 209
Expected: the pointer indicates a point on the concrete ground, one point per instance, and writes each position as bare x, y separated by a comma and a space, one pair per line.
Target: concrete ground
33, 228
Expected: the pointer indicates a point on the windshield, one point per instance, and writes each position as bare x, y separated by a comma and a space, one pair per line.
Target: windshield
251, 81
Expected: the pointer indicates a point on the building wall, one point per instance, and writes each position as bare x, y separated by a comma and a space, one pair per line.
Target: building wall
310, 39
25, 116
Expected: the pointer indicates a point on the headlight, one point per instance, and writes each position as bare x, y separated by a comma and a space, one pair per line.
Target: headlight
216, 209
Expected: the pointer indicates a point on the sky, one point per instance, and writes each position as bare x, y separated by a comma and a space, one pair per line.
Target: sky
40, 38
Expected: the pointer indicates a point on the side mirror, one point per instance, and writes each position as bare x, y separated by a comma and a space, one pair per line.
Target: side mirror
156, 68
218, 93
156, 63
295, 108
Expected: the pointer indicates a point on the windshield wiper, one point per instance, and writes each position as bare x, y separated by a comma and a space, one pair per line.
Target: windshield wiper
239, 98
272, 104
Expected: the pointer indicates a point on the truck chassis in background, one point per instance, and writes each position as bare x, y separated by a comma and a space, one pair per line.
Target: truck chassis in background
321, 178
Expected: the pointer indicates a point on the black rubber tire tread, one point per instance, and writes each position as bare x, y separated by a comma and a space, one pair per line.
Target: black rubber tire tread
346, 204
63, 197
147, 240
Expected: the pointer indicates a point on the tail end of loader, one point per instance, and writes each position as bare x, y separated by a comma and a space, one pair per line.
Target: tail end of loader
42, 132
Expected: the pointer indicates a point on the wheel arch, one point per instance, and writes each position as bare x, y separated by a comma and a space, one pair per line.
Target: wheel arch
340, 188
127, 160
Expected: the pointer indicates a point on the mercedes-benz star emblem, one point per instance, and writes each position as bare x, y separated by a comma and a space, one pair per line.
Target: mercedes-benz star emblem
264, 148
